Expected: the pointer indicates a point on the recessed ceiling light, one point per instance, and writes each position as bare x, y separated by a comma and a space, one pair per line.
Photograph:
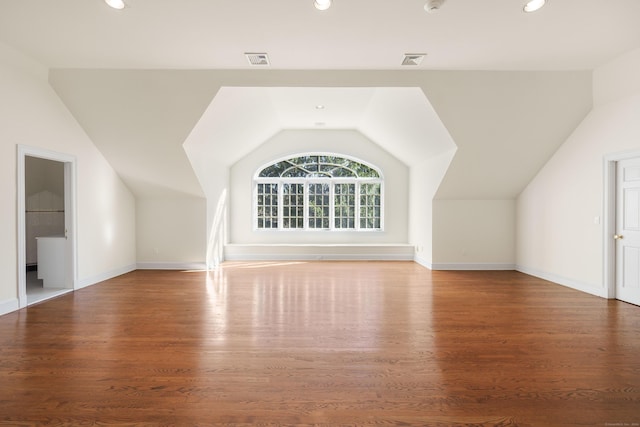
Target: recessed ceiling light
116, 4
320, 107
533, 5
433, 6
322, 4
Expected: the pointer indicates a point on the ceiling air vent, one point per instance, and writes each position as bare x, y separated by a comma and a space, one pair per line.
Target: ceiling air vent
257, 58
413, 58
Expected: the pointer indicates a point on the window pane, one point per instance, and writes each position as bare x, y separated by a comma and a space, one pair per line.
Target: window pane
273, 171
295, 172
293, 205
370, 206
267, 206
318, 205
319, 165
344, 205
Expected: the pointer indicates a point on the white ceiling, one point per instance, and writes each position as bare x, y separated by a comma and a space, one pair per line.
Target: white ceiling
352, 34
102, 65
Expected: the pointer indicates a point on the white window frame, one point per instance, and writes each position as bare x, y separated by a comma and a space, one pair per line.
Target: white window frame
317, 180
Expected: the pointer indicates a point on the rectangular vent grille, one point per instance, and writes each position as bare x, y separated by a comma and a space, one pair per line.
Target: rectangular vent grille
257, 58
413, 58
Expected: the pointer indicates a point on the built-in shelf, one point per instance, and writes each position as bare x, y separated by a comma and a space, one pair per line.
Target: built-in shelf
378, 252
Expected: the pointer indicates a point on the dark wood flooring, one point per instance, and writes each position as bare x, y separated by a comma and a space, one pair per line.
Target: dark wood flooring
322, 343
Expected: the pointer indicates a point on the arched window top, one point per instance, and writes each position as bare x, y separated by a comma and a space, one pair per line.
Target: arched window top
318, 166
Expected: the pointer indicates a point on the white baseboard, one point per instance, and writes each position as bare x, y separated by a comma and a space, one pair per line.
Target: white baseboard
88, 281
423, 262
9, 305
171, 266
564, 281
472, 266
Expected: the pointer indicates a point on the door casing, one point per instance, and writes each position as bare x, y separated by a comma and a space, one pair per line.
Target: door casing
609, 218
70, 215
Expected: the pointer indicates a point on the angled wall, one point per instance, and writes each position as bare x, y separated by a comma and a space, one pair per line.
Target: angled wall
506, 125
424, 180
559, 214
31, 114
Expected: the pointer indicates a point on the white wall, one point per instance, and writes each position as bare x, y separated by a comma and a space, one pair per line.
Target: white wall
424, 181
474, 234
214, 175
31, 114
557, 234
171, 232
291, 142
106, 218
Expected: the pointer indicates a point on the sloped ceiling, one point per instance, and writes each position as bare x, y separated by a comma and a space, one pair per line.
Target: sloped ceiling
138, 121
140, 79
400, 120
504, 124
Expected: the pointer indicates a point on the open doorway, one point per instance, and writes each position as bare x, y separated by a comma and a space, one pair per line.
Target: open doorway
46, 227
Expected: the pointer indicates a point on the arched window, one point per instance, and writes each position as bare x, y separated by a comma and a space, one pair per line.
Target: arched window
318, 192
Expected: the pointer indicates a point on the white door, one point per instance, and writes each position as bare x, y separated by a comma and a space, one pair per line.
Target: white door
627, 234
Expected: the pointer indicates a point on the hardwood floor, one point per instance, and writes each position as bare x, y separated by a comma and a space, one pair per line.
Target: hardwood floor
322, 343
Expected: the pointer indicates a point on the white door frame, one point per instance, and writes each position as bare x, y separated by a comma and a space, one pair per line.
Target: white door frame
70, 214
609, 229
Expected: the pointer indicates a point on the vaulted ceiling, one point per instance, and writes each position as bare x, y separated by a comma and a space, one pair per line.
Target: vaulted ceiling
503, 86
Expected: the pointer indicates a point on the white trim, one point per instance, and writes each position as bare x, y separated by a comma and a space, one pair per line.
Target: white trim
472, 266
71, 219
609, 219
56, 295
317, 257
88, 281
70, 212
608, 229
306, 181
8, 306
564, 281
317, 252
171, 266
423, 262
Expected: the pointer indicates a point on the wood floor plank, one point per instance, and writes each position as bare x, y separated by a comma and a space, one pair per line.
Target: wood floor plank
322, 343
